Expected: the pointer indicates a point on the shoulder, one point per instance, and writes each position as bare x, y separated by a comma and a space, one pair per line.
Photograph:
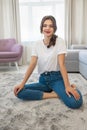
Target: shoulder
60, 42
61, 46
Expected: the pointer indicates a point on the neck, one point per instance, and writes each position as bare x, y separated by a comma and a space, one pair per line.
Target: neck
46, 40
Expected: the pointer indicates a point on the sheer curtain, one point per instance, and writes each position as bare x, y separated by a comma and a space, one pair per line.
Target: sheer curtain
9, 19
75, 22
68, 22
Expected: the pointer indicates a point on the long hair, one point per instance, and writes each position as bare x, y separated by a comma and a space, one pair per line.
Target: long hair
53, 38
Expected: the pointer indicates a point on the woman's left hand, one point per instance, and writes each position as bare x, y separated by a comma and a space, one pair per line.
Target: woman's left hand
72, 90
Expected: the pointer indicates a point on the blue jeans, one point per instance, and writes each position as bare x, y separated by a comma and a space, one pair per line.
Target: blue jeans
48, 82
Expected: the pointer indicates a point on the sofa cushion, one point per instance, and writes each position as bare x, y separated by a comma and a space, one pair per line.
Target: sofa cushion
8, 55
83, 56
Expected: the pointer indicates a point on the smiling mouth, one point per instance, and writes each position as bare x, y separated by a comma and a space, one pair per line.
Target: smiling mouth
47, 31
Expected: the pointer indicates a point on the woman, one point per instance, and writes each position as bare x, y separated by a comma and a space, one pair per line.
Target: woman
49, 53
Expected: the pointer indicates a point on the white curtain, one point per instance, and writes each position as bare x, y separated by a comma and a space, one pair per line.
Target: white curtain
9, 19
1, 19
68, 22
75, 22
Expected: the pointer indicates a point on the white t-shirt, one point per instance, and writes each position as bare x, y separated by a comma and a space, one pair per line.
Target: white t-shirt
48, 57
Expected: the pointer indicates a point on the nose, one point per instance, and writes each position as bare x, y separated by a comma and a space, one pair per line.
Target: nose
47, 26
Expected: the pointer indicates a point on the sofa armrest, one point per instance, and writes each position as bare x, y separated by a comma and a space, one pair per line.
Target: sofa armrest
17, 48
78, 47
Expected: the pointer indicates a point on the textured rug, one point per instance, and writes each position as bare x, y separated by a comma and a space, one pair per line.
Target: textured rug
49, 114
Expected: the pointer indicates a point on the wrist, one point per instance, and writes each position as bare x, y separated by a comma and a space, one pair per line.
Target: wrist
67, 86
22, 83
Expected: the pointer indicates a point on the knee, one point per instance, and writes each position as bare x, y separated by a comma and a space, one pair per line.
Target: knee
75, 104
20, 95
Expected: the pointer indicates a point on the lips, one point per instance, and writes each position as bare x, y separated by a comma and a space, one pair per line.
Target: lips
47, 31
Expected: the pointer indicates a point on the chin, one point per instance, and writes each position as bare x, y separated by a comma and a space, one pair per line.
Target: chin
49, 35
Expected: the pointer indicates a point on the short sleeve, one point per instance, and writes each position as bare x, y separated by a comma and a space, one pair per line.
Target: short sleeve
34, 50
62, 47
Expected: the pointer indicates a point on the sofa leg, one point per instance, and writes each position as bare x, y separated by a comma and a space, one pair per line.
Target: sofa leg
16, 64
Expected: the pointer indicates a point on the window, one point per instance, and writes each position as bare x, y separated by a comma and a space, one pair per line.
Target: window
31, 13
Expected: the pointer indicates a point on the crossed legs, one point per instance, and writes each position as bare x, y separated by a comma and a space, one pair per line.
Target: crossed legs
36, 91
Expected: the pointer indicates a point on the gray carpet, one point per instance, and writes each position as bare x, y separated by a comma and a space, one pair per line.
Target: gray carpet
49, 114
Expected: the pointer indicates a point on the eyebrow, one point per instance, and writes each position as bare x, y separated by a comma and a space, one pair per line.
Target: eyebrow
48, 25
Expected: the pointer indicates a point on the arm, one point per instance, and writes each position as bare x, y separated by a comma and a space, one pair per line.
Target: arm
29, 71
68, 88
61, 60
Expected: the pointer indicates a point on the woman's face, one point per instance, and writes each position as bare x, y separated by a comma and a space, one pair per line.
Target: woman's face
48, 28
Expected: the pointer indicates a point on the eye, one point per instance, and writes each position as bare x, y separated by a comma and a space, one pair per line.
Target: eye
50, 26
44, 25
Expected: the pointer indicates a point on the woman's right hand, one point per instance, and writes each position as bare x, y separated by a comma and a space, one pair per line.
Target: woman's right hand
18, 88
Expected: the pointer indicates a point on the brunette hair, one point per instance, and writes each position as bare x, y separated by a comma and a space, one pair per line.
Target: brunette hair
53, 38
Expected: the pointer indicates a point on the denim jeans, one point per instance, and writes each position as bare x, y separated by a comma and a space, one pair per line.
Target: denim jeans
48, 82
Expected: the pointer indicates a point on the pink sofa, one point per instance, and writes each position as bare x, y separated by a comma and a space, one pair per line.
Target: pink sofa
10, 51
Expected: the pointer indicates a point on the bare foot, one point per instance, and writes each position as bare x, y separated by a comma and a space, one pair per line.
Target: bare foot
50, 95
54, 94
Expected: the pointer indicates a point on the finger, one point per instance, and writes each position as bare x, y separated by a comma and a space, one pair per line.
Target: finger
18, 90
15, 89
76, 95
68, 93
